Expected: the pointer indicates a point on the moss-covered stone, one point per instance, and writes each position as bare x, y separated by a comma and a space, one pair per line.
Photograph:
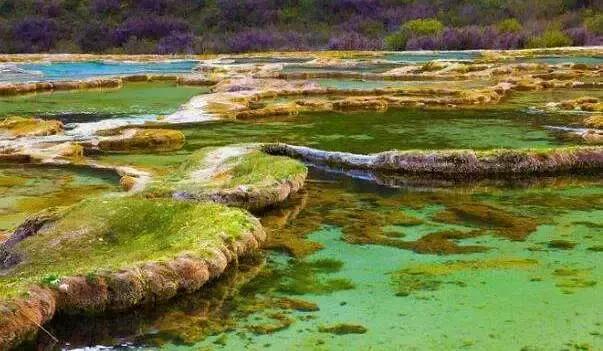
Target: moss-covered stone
343, 329
595, 121
115, 253
142, 140
237, 175
22, 127
561, 244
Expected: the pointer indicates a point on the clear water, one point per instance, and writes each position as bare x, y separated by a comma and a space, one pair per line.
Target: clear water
157, 98
89, 69
416, 57
516, 294
368, 132
589, 60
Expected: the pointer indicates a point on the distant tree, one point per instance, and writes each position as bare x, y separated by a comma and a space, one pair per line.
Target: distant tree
595, 23
95, 38
414, 28
510, 25
550, 38
105, 6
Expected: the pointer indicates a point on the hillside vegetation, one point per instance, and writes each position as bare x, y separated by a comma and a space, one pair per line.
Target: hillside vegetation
211, 26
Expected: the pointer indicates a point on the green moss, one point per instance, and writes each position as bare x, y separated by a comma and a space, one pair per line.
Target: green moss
300, 278
280, 322
414, 279
561, 244
252, 169
116, 233
343, 329
19, 126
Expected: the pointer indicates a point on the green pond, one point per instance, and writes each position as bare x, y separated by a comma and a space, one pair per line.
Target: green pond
369, 132
133, 99
351, 264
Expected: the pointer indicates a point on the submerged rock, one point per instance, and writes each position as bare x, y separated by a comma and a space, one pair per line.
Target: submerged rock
239, 175
343, 329
145, 140
23, 127
116, 253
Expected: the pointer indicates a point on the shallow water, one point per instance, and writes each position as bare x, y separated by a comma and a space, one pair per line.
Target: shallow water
87, 105
89, 69
589, 60
367, 132
405, 298
417, 57
25, 190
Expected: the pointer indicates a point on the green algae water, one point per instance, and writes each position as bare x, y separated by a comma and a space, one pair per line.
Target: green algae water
490, 268
134, 98
25, 190
367, 132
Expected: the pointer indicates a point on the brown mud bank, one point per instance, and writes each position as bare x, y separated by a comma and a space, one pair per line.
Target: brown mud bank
114, 254
457, 164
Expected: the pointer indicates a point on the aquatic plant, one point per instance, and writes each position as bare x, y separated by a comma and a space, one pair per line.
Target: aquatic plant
343, 329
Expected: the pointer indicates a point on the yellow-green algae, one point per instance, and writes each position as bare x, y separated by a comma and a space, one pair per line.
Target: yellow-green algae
26, 190
16, 126
238, 175
109, 234
133, 98
141, 140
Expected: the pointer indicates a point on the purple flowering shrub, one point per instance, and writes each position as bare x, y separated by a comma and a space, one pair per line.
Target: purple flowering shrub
176, 43
35, 34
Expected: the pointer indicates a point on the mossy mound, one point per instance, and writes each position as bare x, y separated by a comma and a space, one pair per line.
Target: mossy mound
16, 127
238, 175
595, 121
115, 253
142, 140
585, 103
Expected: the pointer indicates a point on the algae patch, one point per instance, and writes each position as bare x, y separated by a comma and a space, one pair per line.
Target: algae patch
108, 234
236, 175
